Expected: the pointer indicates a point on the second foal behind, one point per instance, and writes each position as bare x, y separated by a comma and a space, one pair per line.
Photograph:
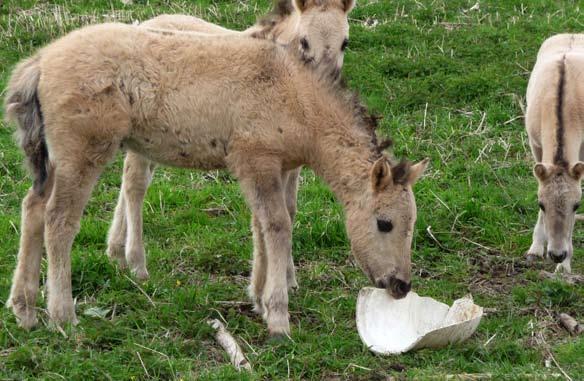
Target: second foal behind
315, 31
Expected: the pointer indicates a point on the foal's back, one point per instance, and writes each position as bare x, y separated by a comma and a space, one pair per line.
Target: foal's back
557, 74
177, 99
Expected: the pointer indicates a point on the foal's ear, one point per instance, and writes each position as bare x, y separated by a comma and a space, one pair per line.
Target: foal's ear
541, 171
300, 5
348, 5
380, 175
577, 170
417, 170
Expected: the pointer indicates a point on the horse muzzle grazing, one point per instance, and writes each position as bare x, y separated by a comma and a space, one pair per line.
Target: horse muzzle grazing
397, 287
558, 256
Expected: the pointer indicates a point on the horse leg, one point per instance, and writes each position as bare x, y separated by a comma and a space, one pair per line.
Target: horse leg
264, 193
25, 282
259, 267
137, 177
538, 242
74, 180
116, 236
566, 265
290, 180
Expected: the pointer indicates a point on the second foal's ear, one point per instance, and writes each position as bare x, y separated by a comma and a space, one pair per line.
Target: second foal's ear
300, 5
541, 171
380, 175
577, 170
348, 5
417, 170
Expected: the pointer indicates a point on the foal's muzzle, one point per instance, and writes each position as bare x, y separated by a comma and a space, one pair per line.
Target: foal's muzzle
396, 287
559, 256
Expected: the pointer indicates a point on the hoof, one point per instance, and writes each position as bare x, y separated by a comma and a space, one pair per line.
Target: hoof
63, 315
561, 268
141, 274
258, 307
278, 325
25, 315
532, 259
278, 338
116, 253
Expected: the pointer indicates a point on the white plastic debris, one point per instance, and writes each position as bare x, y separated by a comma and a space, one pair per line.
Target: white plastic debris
391, 326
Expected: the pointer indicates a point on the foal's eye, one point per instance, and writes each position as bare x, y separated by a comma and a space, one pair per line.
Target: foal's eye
304, 43
345, 44
576, 206
541, 207
384, 226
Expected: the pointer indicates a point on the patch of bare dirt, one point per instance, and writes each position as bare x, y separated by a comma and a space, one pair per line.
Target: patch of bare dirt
494, 276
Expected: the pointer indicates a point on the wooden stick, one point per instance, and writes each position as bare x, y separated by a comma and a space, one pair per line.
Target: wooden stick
568, 278
228, 343
571, 324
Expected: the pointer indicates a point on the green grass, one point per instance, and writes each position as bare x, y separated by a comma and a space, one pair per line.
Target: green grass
449, 82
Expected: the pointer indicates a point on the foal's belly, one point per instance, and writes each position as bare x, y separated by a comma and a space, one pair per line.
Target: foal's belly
181, 147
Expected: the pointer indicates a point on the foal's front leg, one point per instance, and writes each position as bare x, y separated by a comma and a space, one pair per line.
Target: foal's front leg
259, 266
538, 242
116, 236
138, 173
265, 195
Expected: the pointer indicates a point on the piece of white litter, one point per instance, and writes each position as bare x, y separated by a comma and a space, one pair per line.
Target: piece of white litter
392, 326
228, 343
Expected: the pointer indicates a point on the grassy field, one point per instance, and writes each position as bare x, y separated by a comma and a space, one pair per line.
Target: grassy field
449, 79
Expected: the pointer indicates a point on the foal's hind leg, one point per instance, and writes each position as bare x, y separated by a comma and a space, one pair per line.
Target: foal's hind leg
137, 177
290, 181
73, 185
25, 283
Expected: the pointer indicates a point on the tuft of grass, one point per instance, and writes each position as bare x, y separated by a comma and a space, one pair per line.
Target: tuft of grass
449, 80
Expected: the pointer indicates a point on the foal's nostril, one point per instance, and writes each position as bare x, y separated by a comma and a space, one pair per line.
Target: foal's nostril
398, 287
558, 257
381, 283
404, 287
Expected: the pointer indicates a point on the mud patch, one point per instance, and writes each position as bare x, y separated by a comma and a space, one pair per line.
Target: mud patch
494, 276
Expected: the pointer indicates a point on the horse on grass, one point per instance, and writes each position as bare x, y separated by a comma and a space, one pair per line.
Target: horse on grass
243, 104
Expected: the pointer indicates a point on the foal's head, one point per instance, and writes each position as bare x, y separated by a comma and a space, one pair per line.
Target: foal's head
559, 194
380, 225
322, 33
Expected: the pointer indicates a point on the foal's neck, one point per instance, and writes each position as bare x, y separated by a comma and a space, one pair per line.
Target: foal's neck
343, 156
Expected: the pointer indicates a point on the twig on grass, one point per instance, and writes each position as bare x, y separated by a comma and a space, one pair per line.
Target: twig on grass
141, 290
228, 343
479, 245
152, 350
568, 278
143, 366
429, 231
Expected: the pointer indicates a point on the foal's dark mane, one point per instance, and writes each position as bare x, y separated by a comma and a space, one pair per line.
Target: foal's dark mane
369, 123
362, 117
280, 10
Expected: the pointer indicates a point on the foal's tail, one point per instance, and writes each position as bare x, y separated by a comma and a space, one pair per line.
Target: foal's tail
22, 106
